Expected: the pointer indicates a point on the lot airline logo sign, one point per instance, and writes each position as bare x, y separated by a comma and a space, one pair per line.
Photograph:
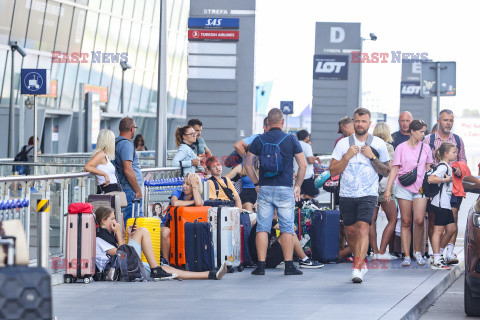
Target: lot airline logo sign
330, 67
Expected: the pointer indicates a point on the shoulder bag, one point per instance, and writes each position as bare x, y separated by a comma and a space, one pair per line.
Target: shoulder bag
410, 177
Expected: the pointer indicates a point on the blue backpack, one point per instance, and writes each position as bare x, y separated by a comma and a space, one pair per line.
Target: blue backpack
271, 158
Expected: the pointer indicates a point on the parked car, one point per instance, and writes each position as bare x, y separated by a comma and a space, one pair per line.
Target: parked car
472, 252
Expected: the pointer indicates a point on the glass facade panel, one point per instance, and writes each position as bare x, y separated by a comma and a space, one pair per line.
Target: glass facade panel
64, 26
19, 27
50, 26
35, 23
6, 15
3, 60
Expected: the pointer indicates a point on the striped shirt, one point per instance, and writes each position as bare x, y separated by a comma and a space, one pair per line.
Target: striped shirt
438, 142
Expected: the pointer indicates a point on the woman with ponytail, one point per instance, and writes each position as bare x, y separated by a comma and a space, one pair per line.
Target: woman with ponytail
185, 158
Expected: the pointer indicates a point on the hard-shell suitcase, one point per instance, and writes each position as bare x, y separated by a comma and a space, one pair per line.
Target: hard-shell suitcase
246, 225
226, 235
325, 233
80, 247
25, 293
180, 216
109, 201
199, 251
153, 225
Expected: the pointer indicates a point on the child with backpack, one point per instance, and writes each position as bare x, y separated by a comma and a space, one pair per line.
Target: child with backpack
221, 188
110, 238
444, 220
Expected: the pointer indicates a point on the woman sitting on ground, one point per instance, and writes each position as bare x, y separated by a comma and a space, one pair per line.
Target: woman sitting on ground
109, 238
189, 195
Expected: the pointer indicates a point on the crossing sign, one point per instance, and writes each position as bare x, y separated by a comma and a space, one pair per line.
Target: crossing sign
286, 107
35, 81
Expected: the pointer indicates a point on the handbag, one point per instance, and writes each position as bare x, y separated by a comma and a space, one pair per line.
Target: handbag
122, 197
410, 177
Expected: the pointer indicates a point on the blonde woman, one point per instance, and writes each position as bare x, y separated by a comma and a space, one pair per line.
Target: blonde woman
100, 163
382, 131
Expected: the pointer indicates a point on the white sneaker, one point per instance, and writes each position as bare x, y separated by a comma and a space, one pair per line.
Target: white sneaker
364, 269
357, 276
406, 262
375, 256
386, 256
451, 259
419, 258
440, 265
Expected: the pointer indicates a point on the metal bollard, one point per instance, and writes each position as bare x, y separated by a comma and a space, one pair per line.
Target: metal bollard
43, 233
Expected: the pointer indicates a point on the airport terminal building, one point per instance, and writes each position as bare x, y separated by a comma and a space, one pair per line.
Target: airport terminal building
82, 43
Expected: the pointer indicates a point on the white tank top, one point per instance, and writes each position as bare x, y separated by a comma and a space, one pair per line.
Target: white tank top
109, 169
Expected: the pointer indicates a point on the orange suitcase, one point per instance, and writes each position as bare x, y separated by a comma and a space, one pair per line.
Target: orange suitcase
181, 215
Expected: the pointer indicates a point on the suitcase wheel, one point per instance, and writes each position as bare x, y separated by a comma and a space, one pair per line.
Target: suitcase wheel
68, 279
86, 280
240, 268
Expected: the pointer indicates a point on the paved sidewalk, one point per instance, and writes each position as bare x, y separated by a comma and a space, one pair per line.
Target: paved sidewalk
324, 293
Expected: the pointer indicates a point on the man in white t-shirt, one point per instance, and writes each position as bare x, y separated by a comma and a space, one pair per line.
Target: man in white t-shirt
308, 189
354, 157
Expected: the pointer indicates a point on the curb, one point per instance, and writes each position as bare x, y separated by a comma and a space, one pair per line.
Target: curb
420, 299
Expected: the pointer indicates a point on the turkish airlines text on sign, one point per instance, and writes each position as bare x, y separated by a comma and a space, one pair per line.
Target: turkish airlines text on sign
213, 35
330, 67
410, 89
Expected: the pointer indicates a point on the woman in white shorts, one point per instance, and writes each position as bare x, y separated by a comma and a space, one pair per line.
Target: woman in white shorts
410, 156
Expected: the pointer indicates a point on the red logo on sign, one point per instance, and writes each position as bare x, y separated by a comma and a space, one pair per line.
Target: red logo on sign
218, 35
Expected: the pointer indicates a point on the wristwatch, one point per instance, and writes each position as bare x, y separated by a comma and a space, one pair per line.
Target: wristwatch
373, 158
255, 184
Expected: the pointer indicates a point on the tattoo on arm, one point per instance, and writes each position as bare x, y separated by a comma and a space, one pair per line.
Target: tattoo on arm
383, 168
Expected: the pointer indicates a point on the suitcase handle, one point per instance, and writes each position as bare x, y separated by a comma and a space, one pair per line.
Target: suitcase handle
136, 204
10, 242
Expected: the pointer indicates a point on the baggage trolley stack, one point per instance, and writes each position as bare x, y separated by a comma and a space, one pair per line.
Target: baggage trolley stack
159, 191
15, 209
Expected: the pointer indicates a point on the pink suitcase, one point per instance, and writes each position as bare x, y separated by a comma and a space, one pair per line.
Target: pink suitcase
80, 247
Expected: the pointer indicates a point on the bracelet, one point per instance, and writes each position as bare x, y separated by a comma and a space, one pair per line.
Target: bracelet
255, 184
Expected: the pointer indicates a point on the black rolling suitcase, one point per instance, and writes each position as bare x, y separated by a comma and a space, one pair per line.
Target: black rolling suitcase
199, 251
25, 293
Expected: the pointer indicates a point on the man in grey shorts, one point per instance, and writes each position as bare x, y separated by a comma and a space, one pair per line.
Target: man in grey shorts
354, 158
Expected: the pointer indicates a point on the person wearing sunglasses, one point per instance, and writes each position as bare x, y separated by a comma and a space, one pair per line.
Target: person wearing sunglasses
186, 158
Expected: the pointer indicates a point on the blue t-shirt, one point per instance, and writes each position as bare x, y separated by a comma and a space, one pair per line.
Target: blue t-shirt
399, 138
250, 139
177, 193
288, 149
125, 151
247, 183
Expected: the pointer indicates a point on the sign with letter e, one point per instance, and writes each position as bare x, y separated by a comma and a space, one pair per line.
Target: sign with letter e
286, 107
35, 81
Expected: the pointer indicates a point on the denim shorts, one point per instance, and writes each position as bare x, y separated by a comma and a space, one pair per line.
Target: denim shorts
138, 249
271, 198
402, 193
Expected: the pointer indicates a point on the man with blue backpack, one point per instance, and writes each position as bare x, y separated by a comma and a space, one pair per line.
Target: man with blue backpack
276, 192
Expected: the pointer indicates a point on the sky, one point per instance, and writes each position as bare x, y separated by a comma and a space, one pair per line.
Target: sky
446, 30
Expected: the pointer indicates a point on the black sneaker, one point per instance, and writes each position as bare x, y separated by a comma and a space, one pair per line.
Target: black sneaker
218, 274
311, 264
164, 262
292, 271
260, 269
159, 274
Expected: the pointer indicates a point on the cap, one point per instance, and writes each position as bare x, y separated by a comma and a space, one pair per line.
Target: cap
342, 122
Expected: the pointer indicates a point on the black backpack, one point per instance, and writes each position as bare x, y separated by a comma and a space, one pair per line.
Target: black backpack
131, 267
22, 156
430, 190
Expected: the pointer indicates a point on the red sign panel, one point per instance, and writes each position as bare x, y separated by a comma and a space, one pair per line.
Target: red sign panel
102, 91
213, 35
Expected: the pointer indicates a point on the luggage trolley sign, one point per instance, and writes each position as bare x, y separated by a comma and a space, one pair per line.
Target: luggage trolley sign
35, 81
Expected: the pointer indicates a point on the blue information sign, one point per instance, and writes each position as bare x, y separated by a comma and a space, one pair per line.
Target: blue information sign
35, 81
213, 23
286, 107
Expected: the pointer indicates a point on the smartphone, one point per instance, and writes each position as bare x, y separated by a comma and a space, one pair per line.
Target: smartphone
134, 225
